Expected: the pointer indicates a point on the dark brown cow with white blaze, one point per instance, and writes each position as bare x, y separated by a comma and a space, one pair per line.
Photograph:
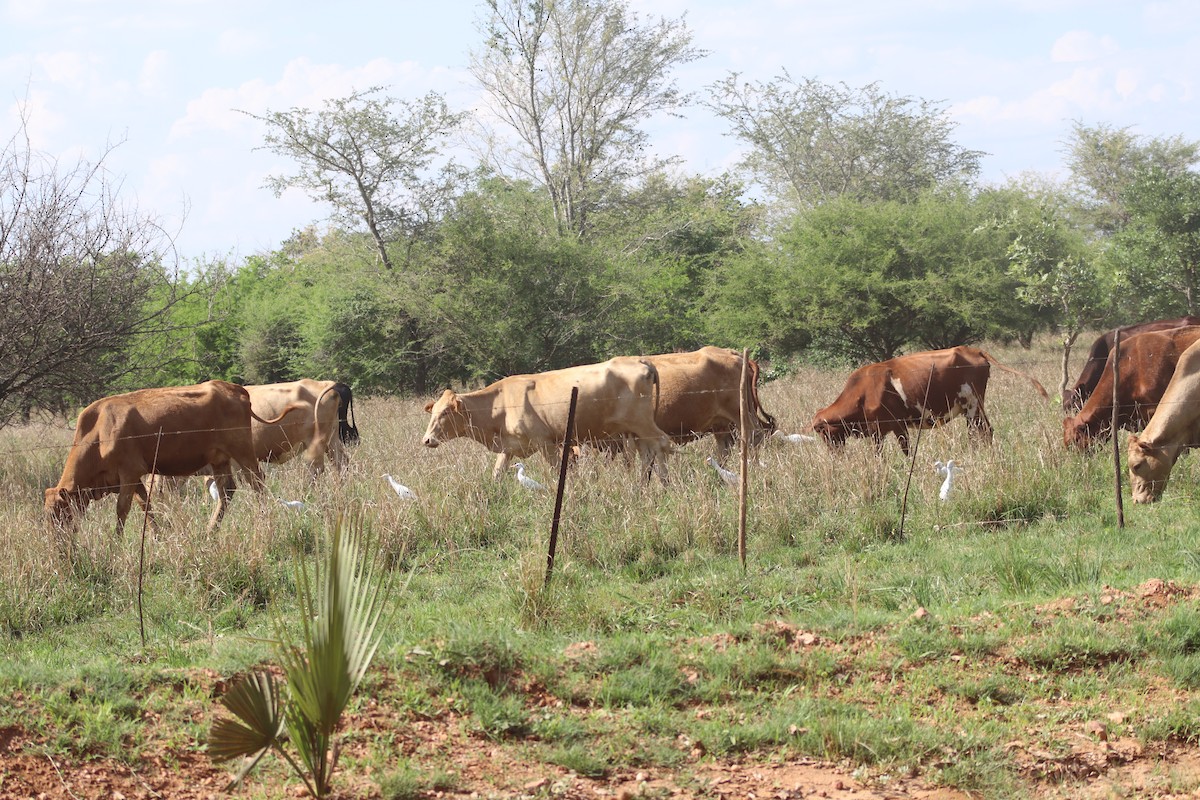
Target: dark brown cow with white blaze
1172, 430
525, 414
1093, 367
921, 390
1147, 363
168, 431
698, 395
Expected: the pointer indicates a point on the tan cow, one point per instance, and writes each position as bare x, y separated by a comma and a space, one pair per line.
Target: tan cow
921, 390
168, 431
698, 395
1147, 363
1174, 428
523, 414
310, 433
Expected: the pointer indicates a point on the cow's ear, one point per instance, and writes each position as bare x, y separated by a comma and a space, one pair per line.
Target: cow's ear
429, 407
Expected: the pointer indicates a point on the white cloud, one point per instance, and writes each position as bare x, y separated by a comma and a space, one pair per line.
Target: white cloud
303, 84
1077, 46
153, 77
67, 67
238, 42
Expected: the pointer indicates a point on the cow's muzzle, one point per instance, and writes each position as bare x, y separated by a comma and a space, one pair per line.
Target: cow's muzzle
430, 441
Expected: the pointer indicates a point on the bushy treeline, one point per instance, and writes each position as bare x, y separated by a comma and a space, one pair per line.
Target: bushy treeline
853, 228
494, 290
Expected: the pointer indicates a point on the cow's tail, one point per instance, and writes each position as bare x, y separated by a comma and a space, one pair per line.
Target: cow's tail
1041, 389
347, 430
751, 390
296, 406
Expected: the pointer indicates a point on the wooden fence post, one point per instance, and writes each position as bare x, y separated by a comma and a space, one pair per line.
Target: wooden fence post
1116, 376
743, 423
562, 483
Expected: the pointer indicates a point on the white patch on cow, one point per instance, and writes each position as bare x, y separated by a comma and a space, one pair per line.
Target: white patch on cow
969, 401
899, 390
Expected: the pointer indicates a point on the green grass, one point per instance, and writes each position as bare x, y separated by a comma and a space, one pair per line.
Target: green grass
651, 643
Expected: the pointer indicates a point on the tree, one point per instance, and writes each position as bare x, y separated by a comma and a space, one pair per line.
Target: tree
1105, 161
78, 269
863, 281
1056, 264
1157, 254
372, 160
811, 142
574, 79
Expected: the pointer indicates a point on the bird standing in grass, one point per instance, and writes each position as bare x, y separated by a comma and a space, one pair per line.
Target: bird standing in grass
213, 491
402, 491
526, 481
949, 469
294, 505
730, 478
793, 438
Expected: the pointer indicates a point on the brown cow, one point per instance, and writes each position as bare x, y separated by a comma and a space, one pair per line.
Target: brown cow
1089, 376
698, 395
1147, 363
1172, 430
523, 414
169, 431
920, 390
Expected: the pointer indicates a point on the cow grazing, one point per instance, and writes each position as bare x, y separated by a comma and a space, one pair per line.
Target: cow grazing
169, 431
1172, 430
921, 390
310, 433
698, 395
1089, 376
1147, 362
523, 414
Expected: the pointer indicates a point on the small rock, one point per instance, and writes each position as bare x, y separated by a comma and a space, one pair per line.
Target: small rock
533, 786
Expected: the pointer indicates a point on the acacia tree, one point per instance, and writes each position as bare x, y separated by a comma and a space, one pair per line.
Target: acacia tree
1056, 264
812, 141
372, 160
1157, 254
1106, 161
574, 79
82, 278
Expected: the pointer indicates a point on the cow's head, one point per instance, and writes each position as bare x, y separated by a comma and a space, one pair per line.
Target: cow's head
1079, 434
834, 434
1149, 468
447, 420
64, 507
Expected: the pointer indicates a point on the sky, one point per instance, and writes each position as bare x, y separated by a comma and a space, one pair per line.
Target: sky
164, 83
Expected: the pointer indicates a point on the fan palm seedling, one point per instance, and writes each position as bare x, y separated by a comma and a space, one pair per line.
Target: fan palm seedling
341, 601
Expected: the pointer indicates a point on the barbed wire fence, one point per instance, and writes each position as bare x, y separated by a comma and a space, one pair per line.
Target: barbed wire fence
996, 460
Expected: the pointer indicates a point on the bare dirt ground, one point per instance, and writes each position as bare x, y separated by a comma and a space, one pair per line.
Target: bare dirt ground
1096, 769
1093, 766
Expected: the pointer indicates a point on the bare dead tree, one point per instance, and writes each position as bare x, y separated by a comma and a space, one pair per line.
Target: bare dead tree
82, 277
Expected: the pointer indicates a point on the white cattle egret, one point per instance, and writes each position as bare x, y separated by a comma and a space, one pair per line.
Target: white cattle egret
525, 480
793, 438
949, 469
295, 505
402, 491
730, 478
213, 490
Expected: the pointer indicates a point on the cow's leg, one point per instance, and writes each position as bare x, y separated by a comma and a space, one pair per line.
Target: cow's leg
223, 477
979, 427
724, 441
501, 465
901, 439
129, 487
654, 455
